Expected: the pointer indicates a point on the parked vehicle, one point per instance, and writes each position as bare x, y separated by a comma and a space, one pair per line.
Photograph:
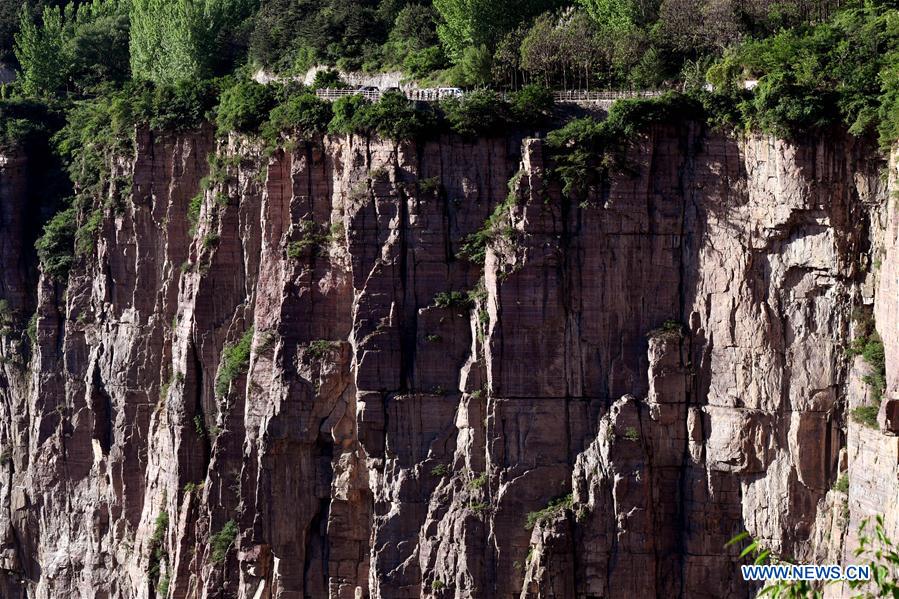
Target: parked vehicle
449, 92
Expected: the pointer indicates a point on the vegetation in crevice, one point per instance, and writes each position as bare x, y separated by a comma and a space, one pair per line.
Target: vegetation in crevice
474, 247
670, 329
234, 362
158, 554
311, 238
869, 346
222, 541
320, 348
554, 508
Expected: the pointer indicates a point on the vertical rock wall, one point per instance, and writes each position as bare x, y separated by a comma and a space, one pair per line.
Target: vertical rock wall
314, 391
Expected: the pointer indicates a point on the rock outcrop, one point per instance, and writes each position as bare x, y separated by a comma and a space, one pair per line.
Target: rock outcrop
320, 388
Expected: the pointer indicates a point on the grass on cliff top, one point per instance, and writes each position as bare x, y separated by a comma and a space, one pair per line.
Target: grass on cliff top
235, 361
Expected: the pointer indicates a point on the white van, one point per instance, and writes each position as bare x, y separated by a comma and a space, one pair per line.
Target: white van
449, 92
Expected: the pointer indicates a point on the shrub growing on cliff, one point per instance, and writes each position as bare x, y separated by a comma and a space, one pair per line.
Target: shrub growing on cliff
395, 117
555, 507
452, 299
235, 360
480, 113
55, 248
221, 541
866, 415
158, 553
348, 114
585, 152
531, 105
244, 106
85, 236
23, 122
304, 112
869, 346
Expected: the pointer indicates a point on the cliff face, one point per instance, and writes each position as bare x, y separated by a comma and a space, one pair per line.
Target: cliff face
387, 437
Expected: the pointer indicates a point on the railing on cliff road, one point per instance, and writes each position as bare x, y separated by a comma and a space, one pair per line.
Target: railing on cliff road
579, 95
433, 95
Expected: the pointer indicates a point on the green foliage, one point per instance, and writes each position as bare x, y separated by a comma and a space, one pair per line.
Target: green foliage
85, 235
473, 23
395, 117
319, 349
882, 554
310, 239
328, 79
839, 71
221, 542
412, 43
477, 114
452, 299
631, 434
210, 241
841, 485
348, 114
439, 470
555, 508
183, 40
421, 63
474, 248
40, 51
586, 151
75, 47
199, 426
31, 329
391, 117
474, 67
244, 106
304, 112
437, 584
869, 346
55, 248
866, 415
158, 553
478, 482
193, 211
611, 15
23, 123
193, 487
341, 32
670, 329
532, 104
235, 361
478, 506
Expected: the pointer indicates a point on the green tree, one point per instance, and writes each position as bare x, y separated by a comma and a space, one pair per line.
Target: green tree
177, 40
614, 15
41, 52
483, 22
